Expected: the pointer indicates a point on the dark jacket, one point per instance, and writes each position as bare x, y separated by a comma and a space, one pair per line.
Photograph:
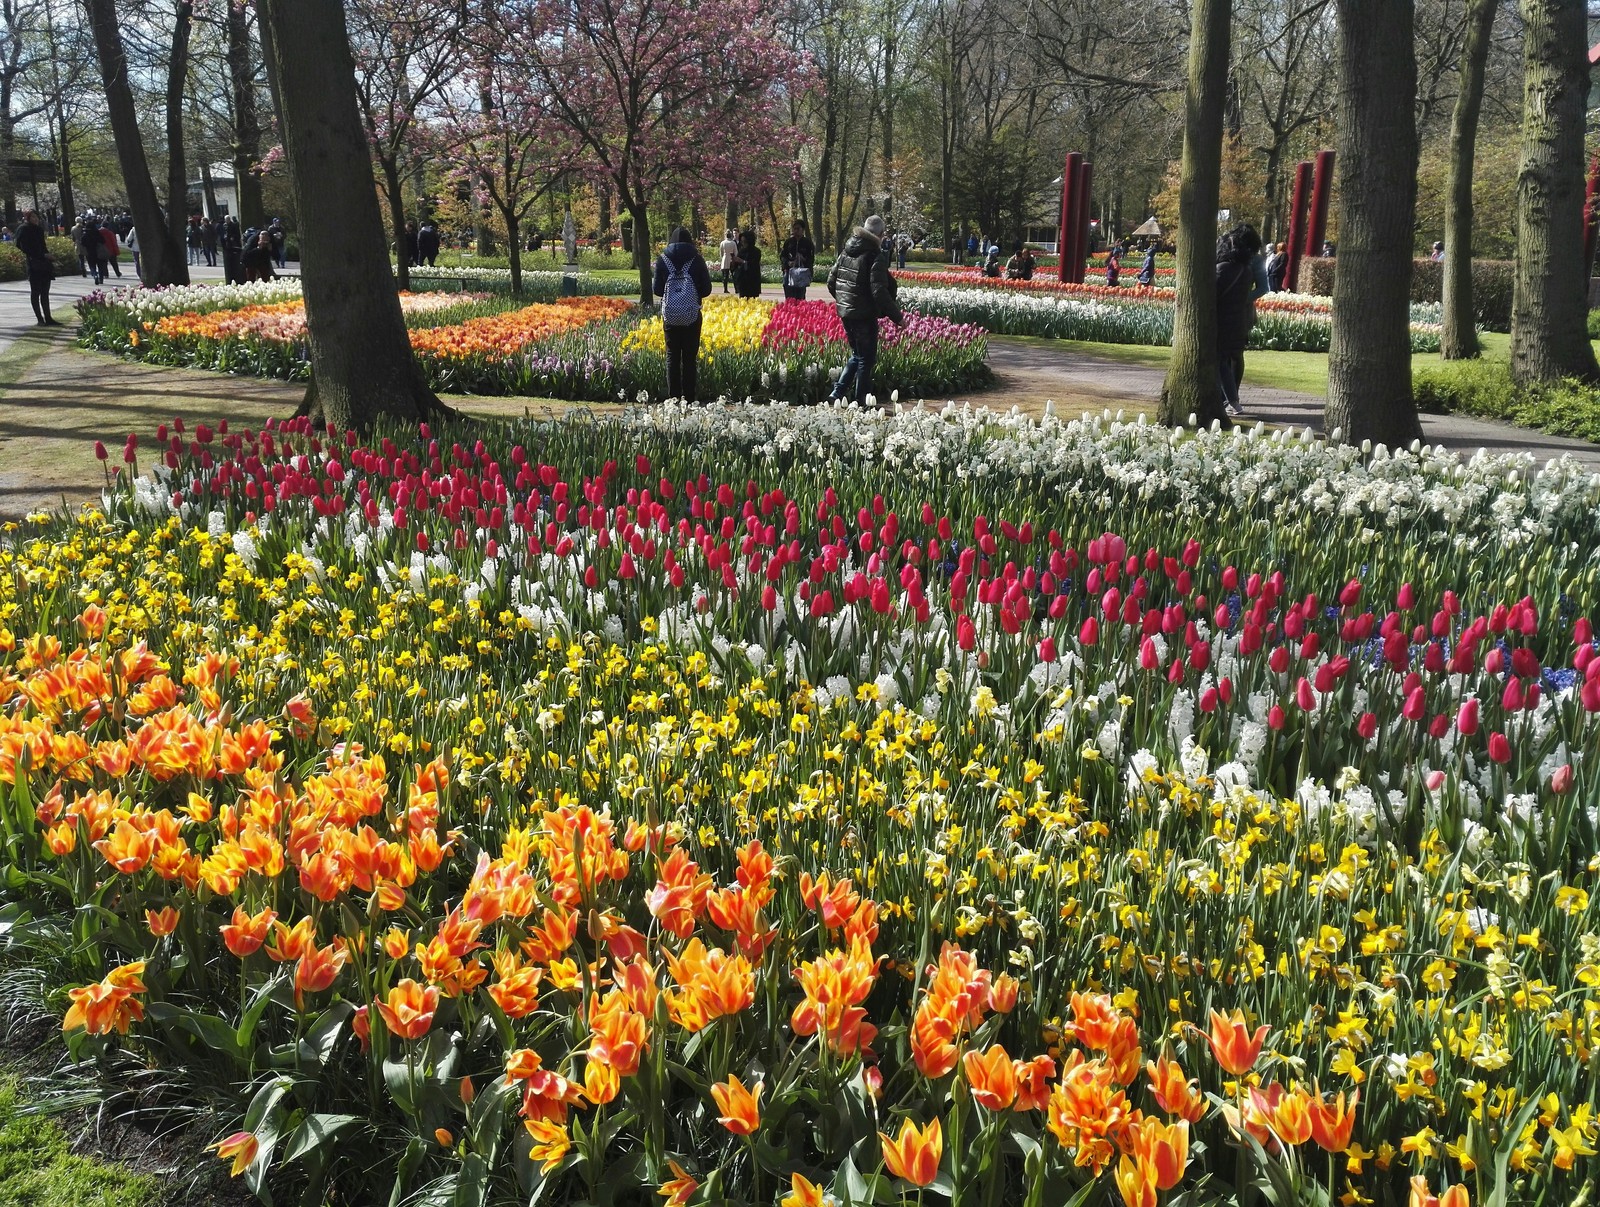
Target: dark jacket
1235, 313
747, 274
682, 253
93, 244
30, 242
798, 252
860, 282
428, 241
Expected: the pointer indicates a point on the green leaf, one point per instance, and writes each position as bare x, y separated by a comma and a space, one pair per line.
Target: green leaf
312, 1132
403, 1171
318, 1043
472, 1183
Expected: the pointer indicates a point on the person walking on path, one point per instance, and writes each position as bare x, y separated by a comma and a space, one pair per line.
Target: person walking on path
427, 244
747, 274
1114, 266
1147, 270
113, 252
41, 270
209, 233
1277, 266
280, 242
798, 259
729, 250
132, 244
232, 250
863, 292
682, 281
93, 249
194, 239
1236, 253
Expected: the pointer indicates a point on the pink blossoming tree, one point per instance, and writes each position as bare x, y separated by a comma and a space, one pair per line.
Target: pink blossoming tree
663, 95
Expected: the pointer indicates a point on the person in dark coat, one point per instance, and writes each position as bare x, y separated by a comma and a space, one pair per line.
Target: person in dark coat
428, 243
1236, 311
1147, 270
93, 248
280, 242
210, 233
798, 259
681, 269
232, 249
747, 273
41, 270
256, 260
407, 248
863, 292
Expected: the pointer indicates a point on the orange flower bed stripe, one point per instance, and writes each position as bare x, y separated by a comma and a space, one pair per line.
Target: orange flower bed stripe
499, 336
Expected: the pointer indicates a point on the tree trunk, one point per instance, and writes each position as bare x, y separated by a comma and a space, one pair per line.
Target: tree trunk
484, 237
1550, 304
163, 258
1369, 362
513, 248
361, 361
177, 76
69, 205
1459, 339
640, 214
397, 219
246, 119
209, 188
1192, 386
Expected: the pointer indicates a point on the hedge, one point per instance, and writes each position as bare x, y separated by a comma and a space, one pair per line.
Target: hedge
1492, 283
14, 265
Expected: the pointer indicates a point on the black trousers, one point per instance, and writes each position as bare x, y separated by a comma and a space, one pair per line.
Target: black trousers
683, 355
39, 278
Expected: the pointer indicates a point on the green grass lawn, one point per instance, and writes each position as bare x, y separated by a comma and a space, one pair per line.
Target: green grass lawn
38, 1169
1304, 372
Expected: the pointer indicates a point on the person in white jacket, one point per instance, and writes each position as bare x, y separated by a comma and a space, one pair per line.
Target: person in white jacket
132, 244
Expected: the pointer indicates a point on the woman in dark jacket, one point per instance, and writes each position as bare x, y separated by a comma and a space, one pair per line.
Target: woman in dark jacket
256, 260
798, 259
41, 269
1236, 311
747, 276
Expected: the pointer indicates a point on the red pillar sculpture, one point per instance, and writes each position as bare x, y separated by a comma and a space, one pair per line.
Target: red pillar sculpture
1085, 184
1297, 223
1321, 190
1068, 180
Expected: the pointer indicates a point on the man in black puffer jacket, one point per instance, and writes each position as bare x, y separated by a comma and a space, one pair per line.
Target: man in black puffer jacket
1236, 308
864, 292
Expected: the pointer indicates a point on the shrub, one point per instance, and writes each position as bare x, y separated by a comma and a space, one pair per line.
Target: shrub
14, 265
1485, 389
1492, 282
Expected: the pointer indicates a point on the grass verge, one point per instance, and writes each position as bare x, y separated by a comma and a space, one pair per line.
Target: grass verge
39, 1169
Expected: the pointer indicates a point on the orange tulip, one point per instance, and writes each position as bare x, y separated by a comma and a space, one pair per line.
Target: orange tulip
1164, 1148
680, 1188
162, 922
1003, 993
1232, 1044
550, 1142
240, 1148
444, 1137
1421, 1196
409, 1011
992, 1077
1173, 1092
802, 1191
914, 1155
1033, 1083
1332, 1120
1094, 1019
318, 969
1136, 1181
740, 1114
1292, 1118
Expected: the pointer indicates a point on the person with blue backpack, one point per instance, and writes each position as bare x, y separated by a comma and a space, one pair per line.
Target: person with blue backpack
681, 281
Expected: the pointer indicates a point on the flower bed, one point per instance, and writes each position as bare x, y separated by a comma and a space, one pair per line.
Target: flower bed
589, 348
1138, 316
751, 802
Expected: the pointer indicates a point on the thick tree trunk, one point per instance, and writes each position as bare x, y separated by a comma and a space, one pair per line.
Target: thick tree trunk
1192, 386
397, 220
162, 256
484, 237
246, 119
1550, 305
208, 188
361, 361
177, 77
1459, 339
1369, 362
513, 249
642, 258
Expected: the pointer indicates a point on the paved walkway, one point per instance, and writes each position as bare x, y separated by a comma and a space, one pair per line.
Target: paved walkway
1080, 378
